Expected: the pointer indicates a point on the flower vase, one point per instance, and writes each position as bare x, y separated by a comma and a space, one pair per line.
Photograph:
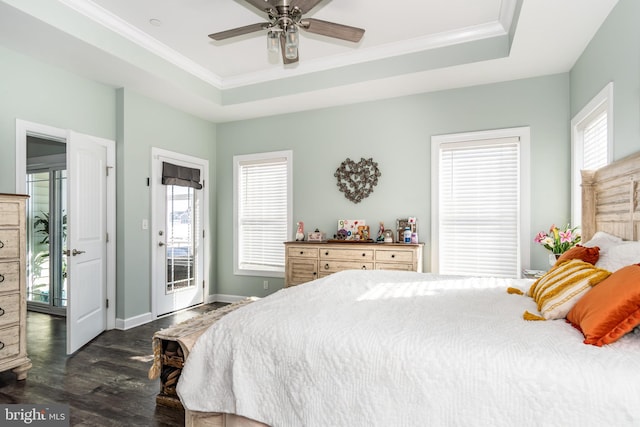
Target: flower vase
553, 258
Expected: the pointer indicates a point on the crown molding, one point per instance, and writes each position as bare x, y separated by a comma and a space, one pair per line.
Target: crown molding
405, 47
507, 13
114, 23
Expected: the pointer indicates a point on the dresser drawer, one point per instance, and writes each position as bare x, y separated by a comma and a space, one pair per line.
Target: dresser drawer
333, 266
394, 255
10, 214
301, 270
302, 252
9, 342
9, 243
399, 266
9, 309
9, 276
350, 254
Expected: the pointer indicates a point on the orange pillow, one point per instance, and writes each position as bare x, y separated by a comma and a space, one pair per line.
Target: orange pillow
590, 255
610, 309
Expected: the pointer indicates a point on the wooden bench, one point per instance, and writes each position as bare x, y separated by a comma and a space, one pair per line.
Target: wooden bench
171, 348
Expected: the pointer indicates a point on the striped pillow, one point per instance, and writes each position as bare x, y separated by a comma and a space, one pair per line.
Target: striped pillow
557, 291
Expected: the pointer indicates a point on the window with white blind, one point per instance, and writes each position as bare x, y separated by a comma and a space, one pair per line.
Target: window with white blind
480, 202
592, 141
262, 212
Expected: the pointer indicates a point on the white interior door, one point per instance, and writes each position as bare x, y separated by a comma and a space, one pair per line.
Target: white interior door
87, 239
178, 238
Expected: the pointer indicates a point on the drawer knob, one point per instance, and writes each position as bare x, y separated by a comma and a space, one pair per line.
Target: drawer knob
364, 254
301, 252
1, 311
327, 253
1, 345
1, 278
1, 244
393, 255
364, 267
326, 266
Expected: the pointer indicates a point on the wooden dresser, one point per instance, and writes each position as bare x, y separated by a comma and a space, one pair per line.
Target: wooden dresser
13, 298
306, 261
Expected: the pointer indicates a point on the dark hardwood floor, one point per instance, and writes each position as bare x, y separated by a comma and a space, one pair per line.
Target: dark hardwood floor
105, 383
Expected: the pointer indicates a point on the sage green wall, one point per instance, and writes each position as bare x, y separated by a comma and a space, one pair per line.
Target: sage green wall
613, 55
396, 133
143, 124
33, 91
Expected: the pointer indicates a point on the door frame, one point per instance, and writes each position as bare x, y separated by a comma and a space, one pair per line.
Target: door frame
25, 128
155, 226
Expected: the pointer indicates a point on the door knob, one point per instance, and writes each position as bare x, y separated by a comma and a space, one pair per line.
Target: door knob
76, 252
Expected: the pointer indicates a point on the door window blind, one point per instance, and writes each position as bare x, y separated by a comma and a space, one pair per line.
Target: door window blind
262, 203
479, 208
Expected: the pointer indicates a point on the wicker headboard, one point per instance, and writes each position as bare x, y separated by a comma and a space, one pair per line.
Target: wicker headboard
610, 199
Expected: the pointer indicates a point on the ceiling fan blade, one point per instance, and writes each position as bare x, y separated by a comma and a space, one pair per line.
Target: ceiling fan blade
262, 5
304, 5
222, 35
331, 29
286, 60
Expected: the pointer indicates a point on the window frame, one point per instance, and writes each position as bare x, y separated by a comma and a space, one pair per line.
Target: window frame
603, 101
524, 226
259, 158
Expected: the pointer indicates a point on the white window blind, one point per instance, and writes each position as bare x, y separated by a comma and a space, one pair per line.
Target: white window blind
479, 208
595, 142
262, 213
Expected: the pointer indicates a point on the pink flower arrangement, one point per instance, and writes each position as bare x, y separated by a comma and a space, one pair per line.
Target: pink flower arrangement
558, 241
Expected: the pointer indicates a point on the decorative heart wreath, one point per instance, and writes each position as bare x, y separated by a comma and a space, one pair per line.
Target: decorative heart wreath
357, 180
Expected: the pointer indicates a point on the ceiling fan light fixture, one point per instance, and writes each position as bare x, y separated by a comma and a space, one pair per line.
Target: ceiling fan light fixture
284, 23
273, 41
290, 52
291, 37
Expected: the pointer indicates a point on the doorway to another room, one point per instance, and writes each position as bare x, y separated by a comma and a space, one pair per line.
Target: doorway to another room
70, 178
46, 226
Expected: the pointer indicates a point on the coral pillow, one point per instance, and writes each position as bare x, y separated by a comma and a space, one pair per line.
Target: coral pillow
583, 253
557, 291
611, 309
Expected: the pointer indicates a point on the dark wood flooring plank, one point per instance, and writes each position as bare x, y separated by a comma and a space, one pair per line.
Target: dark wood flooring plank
105, 383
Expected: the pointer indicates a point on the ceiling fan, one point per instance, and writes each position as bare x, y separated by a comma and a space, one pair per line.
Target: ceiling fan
285, 20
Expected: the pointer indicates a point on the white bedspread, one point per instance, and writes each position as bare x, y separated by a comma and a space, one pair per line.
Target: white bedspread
394, 349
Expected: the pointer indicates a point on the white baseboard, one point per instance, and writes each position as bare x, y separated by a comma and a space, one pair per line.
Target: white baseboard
224, 298
141, 319
134, 321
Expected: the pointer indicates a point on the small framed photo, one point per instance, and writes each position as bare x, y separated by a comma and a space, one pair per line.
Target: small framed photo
401, 224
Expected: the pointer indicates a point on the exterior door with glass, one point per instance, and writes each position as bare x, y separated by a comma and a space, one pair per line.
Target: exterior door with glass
178, 232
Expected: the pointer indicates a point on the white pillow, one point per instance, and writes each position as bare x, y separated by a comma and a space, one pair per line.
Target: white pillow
603, 240
620, 255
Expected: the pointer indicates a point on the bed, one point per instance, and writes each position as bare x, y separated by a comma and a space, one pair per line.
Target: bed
406, 349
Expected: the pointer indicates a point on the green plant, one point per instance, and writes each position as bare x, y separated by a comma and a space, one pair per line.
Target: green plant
41, 225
